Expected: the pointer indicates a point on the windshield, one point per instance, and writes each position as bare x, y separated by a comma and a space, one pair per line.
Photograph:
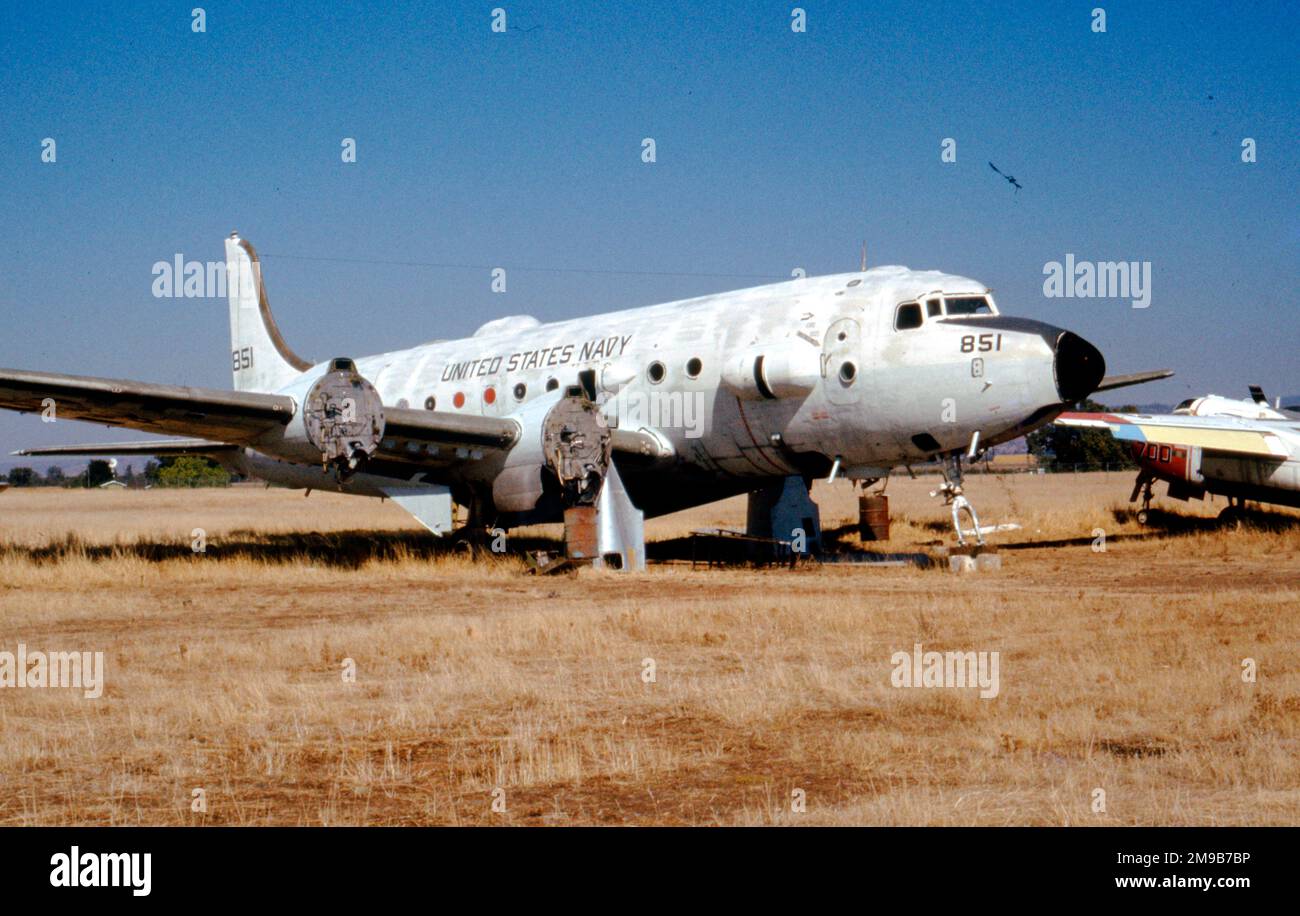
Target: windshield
968, 305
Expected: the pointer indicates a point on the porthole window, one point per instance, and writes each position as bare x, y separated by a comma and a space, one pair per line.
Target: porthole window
655, 372
848, 372
458, 400
694, 367
430, 402
489, 396
552, 384
520, 391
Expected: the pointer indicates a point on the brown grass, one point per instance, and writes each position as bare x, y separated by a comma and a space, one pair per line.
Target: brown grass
1119, 670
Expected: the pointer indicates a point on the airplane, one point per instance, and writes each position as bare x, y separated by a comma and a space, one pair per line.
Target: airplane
1010, 178
627, 414
1241, 449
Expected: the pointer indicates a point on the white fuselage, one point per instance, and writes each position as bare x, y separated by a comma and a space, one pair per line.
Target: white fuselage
750, 385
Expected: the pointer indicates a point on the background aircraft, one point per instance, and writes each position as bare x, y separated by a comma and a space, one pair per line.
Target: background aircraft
759, 390
1241, 449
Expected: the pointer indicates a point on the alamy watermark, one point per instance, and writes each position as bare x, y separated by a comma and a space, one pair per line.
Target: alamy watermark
946, 669
1098, 280
684, 410
80, 670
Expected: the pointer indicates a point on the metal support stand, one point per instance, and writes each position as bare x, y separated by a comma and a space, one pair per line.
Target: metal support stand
784, 512
620, 527
602, 526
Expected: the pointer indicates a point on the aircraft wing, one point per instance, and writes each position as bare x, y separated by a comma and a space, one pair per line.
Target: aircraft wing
441, 427
225, 420
408, 428
225, 416
1135, 378
154, 447
1220, 434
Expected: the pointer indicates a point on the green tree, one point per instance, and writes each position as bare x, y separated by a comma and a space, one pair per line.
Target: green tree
99, 471
23, 477
54, 476
1065, 448
192, 471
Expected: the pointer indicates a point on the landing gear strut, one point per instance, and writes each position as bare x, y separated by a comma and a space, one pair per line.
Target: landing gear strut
1143, 485
1235, 514
951, 491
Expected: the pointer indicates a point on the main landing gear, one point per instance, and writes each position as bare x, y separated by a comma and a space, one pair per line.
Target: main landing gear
1234, 514
1143, 485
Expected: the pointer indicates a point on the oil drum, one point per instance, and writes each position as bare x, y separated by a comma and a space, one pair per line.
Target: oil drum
873, 518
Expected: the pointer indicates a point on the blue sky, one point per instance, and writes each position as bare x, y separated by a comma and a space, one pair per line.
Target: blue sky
775, 150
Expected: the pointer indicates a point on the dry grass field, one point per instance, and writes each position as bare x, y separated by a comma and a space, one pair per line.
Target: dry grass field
1119, 670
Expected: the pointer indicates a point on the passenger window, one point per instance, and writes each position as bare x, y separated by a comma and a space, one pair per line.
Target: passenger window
933, 307
908, 316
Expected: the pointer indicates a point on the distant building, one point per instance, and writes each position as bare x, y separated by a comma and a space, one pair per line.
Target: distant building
112, 485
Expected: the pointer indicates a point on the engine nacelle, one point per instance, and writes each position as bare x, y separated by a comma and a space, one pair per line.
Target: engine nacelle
566, 438
1216, 406
343, 417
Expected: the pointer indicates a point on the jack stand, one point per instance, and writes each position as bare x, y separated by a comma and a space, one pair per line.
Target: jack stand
610, 534
951, 490
620, 527
781, 511
601, 525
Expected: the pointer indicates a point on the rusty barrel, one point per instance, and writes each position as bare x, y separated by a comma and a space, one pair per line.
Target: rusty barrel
873, 518
580, 532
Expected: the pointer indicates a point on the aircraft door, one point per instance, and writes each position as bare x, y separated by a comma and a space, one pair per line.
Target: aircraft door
842, 362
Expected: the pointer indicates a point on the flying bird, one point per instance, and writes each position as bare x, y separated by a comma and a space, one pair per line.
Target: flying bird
1011, 178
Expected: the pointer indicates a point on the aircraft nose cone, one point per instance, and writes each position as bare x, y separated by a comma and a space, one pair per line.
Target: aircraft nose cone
1079, 367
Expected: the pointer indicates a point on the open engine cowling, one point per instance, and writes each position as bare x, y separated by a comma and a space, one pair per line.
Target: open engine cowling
566, 439
343, 416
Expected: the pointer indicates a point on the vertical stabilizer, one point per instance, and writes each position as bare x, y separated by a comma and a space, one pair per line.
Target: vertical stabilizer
260, 359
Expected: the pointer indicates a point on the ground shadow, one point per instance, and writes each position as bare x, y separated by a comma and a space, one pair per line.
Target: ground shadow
341, 549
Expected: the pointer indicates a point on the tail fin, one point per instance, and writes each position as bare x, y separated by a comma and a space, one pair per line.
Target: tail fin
260, 359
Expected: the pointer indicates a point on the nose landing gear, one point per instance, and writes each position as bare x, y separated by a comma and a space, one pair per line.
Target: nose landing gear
951, 491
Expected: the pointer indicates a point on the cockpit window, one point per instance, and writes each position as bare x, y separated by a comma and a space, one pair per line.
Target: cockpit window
969, 305
934, 307
908, 316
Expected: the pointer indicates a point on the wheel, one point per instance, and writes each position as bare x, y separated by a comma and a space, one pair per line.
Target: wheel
1143, 516
1231, 517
